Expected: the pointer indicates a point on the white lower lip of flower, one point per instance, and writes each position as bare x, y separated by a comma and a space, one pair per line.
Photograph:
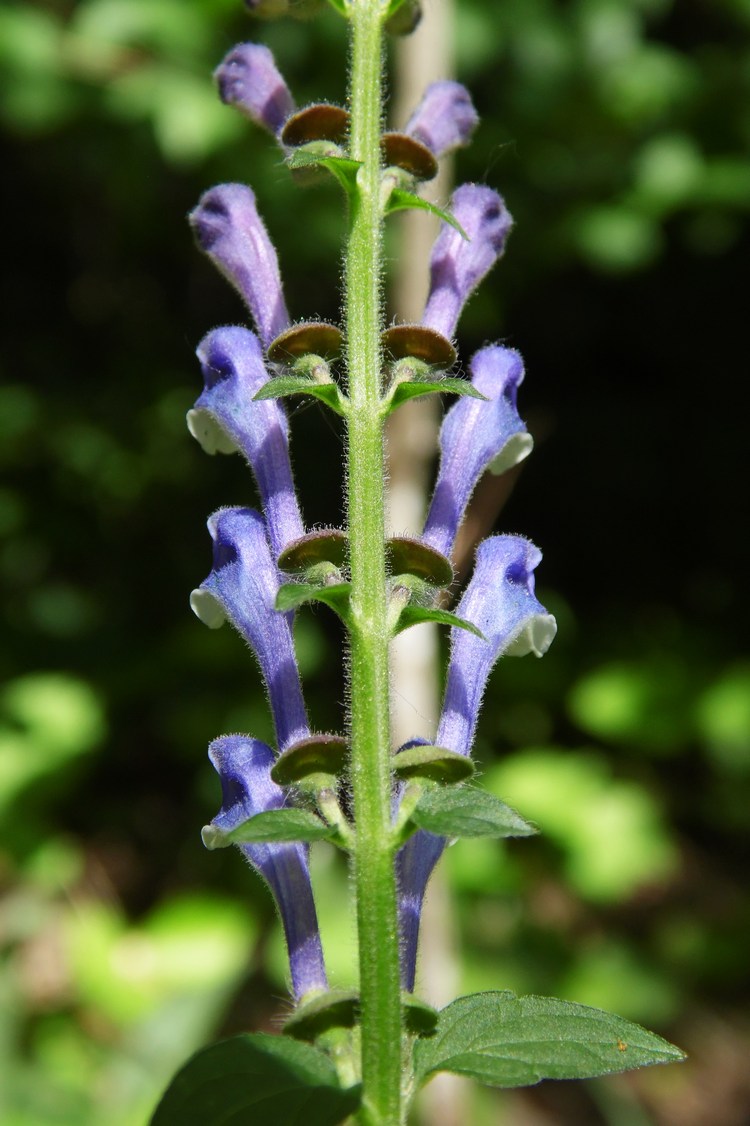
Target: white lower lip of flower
207, 608
515, 450
536, 637
209, 434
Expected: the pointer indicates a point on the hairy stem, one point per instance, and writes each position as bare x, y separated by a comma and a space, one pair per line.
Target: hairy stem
369, 717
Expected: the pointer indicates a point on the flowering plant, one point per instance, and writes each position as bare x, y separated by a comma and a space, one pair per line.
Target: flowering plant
365, 1054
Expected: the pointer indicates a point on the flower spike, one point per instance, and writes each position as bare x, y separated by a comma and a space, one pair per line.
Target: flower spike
476, 435
249, 79
226, 419
458, 265
444, 119
242, 588
229, 229
244, 765
501, 602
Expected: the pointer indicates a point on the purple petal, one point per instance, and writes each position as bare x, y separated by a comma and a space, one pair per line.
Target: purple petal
458, 265
249, 79
244, 766
444, 119
226, 419
242, 588
477, 435
228, 228
500, 601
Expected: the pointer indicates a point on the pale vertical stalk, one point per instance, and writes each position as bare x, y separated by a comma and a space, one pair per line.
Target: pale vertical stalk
380, 1001
422, 58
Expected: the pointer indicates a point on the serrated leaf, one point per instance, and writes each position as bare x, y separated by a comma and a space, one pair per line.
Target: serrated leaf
292, 595
256, 1078
412, 389
283, 385
273, 826
464, 811
342, 167
508, 1041
400, 200
414, 615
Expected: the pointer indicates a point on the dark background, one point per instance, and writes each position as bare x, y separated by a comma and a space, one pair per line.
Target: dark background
618, 131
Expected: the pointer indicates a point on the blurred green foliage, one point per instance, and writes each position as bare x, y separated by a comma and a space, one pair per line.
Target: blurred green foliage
619, 131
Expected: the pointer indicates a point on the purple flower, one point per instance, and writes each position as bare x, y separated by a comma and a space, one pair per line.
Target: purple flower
477, 435
444, 119
226, 419
458, 265
228, 228
242, 588
501, 602
249, 79
244, 766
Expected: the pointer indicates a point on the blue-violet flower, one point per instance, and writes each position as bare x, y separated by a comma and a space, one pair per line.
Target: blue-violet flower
242, 588
458, 264
244, 766
229, 229
226, 419
499, 600
477, 435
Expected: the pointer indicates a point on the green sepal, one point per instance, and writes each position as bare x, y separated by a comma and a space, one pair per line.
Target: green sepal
339, 1008
412, 389
335, 1009
432, 764
326, 545
283, 385
292, 595
313, 756
412, 615
256, 1078
419, 1017
342, 167
271, 826
403, 16
465, 811
400, 200
508, 1041
407, 555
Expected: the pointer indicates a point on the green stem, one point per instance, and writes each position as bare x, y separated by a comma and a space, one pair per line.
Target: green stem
377, 920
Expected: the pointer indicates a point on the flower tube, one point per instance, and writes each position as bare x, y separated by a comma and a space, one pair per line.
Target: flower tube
244, 765
242, 588
225, 418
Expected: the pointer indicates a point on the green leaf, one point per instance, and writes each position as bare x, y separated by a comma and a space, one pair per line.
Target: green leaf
465, 811
340, 7
274, 825
412, 389
256, 1078
282, 385
414, 615
342, 167
400, 200
292, 595
509, 1041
